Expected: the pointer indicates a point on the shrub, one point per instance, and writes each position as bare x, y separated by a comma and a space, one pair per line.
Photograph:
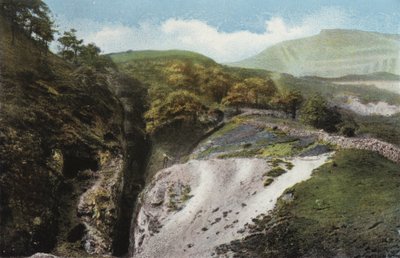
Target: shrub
318, 114
275, 172
268, 181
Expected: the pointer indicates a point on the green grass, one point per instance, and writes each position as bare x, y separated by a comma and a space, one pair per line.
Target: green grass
350, 205
130, 55
357, 188
245, 153
384, 128
285, 149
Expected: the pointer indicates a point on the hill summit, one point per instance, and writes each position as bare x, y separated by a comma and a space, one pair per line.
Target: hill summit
331, 53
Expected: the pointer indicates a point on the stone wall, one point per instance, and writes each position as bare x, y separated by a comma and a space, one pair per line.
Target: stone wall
388, 150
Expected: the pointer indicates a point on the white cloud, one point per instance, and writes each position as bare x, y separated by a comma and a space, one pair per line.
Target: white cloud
198, 36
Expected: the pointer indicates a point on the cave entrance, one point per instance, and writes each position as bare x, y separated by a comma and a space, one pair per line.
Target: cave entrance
75, 163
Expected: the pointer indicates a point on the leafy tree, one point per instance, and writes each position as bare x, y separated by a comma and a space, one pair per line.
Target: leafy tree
32, 16
90, 55
72, 49
181, 75
237, 96
317, 113
179, 106
260, 89
289, 101
217, 84
43, 25
70, 46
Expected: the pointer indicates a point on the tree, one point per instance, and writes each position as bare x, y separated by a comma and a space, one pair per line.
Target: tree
179, 106
260, 89
317, 113
42, 26
237, 96
289, 101
182, 76
32, 16
217, 84
70, 46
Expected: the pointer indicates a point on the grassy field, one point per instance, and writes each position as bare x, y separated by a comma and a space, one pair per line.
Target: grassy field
131, 55
384, 128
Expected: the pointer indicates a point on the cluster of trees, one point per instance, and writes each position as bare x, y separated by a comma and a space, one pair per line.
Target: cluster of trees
289, 102
32, 17
253, 91
318, 113
73, 50
200, 86
179, 106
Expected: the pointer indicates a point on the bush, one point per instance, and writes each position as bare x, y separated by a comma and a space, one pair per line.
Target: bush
268, 181
348, 130
179, 106
275, 172
318, 114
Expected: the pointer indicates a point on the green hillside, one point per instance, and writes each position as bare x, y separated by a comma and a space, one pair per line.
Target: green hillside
379, 76
131, 55
332, 53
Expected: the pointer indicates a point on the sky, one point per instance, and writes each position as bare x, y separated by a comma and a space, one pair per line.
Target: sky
225, 30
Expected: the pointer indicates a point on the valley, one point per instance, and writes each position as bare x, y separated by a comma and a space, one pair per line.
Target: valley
294, 152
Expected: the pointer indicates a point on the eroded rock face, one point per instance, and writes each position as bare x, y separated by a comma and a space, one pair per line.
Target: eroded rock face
97, 207
189, 209
61, 136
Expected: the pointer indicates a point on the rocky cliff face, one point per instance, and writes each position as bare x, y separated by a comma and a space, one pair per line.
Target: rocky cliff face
65, 159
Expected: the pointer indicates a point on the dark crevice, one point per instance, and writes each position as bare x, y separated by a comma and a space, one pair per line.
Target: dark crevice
75, 163
136, 147
76, 233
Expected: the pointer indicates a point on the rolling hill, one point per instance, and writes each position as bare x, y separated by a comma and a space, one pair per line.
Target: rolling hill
164, 55
332, 53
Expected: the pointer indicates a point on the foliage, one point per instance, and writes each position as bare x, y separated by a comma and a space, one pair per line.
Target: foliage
260, 90
31, 16
73, 50
276, 171
216, 84
268, 181
237, 96
179, 106
182, 75
289, 101
252, 91
70, 46
317, 113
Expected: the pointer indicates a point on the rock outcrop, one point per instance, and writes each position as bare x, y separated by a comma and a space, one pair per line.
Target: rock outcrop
62, 143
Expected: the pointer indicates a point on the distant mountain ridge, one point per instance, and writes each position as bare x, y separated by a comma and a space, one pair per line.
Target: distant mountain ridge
331, 53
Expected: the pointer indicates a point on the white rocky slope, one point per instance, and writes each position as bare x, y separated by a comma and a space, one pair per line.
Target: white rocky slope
380, 108
191, 208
